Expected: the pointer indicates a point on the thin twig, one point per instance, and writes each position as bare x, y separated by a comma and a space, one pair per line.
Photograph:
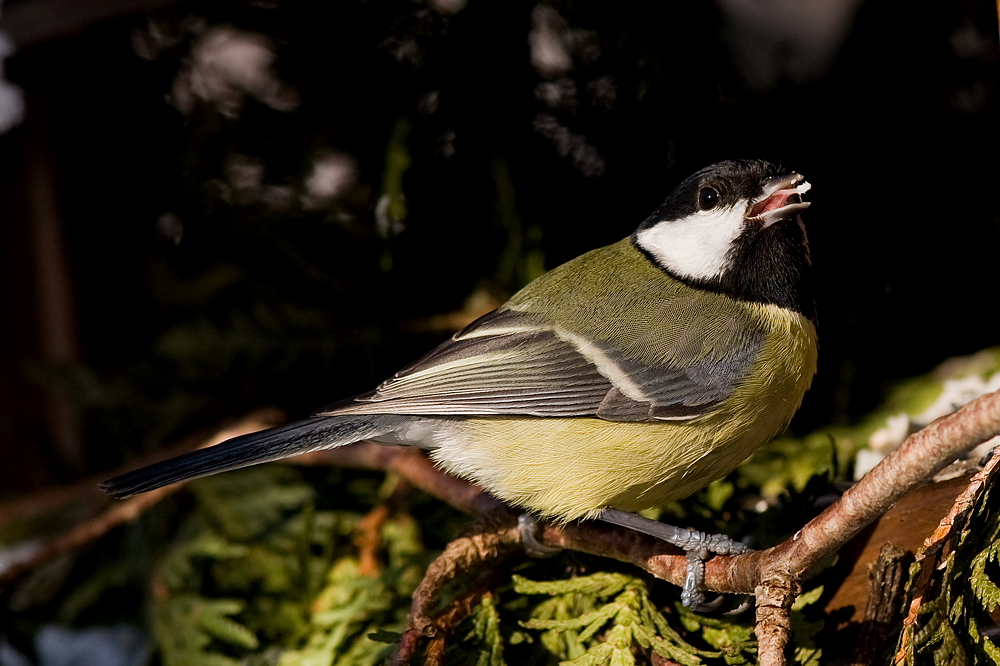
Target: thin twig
368, 540
492, 539
117, 513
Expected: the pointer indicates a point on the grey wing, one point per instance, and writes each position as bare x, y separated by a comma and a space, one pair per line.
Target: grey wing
677, 392
506, 363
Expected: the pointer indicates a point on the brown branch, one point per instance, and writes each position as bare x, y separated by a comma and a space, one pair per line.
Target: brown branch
920, 457
774, 575
434, 655
774, 624
86, 491
84, 533
492, 539
447, 620
594, 538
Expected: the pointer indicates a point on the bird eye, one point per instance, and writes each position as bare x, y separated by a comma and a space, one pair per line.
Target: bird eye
708, 198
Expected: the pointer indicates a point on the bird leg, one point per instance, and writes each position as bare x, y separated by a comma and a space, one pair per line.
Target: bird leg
697, 545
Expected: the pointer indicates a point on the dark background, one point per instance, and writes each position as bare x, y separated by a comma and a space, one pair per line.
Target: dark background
147, 290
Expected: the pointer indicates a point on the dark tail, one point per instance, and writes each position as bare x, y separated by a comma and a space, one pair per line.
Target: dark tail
252, 449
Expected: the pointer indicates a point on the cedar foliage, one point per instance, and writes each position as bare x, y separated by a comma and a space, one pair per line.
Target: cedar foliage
245, 585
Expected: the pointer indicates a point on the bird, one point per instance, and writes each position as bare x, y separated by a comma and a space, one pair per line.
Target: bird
626, 378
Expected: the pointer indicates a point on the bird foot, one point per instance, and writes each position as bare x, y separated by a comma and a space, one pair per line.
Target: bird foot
698, 546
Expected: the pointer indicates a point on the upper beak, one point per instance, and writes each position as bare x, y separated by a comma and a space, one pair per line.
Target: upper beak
781, 199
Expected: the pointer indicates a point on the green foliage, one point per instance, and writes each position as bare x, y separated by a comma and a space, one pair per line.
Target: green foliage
964, 592
597, 619
255, 512
484, 642
186, 624
718, 493
260, 574
348, 609
788, 462
982, 585
806, 652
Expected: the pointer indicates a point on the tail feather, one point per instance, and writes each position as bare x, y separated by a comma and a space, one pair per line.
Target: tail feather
246, 450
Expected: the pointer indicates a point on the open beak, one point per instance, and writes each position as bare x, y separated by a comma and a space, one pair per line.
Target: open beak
781, 199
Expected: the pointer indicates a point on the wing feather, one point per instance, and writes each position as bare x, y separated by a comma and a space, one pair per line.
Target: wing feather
509, 363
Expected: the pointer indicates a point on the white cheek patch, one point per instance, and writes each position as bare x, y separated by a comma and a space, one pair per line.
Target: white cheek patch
695, 246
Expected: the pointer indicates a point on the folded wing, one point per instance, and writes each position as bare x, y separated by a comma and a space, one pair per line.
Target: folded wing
510, 364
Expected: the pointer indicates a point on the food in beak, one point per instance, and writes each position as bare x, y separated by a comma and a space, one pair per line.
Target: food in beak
781, 199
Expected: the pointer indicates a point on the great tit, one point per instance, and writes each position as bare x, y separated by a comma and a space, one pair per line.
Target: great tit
628, 377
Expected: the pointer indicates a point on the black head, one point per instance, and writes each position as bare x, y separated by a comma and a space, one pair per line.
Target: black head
734, 228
